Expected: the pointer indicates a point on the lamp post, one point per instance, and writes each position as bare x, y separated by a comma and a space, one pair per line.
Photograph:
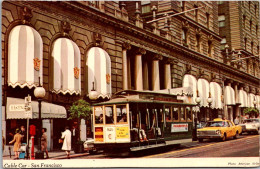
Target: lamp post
39, 93
93, 94
255, 102
209, 100
197, 100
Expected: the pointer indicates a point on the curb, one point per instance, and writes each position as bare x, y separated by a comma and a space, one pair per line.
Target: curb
71, 156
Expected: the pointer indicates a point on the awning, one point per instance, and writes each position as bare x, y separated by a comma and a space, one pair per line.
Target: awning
99, 72
24, 57
243, 98
15, 109
216, 93
203, 88
190, 81
257, 101
229, 95
251, 98
66, 67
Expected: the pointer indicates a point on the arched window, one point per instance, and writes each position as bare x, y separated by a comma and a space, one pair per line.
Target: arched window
24, 57
99, 72
209, 48
66, 67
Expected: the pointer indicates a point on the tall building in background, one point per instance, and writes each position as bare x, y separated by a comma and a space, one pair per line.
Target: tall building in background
75, 46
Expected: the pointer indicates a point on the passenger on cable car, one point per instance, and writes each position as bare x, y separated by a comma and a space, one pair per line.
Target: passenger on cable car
123, 119
101, 118
142, 134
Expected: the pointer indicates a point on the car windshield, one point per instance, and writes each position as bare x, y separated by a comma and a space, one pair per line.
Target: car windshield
216, 124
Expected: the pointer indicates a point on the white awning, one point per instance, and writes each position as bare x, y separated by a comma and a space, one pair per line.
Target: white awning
216, 93
243, 98
258, 101
203, 88
251, 98
15, 109
66, 67
99, 72
190, 81
229, 95
24, 57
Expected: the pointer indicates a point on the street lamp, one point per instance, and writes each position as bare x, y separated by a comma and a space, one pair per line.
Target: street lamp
209, 100
197, 100
39, 93
93, 94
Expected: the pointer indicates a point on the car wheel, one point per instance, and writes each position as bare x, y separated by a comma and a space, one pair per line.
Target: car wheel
236, 136
224, 137
200, 140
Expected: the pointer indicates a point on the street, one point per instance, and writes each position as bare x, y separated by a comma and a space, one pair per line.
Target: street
244, 146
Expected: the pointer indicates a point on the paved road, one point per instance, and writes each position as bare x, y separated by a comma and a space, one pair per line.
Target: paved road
244, 146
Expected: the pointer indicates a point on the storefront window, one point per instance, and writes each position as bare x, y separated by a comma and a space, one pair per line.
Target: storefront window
109, 115
121, 113
168, 114
175, 113
98, 115
189, 114
182, 114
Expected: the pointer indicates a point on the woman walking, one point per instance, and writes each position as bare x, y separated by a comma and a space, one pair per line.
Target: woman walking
44, 142
18, 140
66, 135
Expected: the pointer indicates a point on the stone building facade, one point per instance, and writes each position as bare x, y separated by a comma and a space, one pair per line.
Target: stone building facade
114, 45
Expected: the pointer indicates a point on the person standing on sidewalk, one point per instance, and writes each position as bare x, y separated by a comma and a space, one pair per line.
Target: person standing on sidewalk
44, 142
66, 135
75, 135
17, 139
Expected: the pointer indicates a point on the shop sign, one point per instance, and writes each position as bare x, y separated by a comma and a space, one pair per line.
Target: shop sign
122, 133
17, 107
99, 134
182, 127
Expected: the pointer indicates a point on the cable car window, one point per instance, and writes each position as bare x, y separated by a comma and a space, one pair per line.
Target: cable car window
168, 116
121, 113
183, 117
98, 115
189, 114
109, 115
175, 113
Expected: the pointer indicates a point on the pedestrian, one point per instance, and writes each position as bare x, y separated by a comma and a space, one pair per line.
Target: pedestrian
17, 139
23, 134
66, 135
236, 121
75, 135
44, 142
3, 143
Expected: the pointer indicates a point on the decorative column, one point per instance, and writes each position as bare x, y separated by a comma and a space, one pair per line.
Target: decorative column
236, 99
167, 73
83, 130
126, 46
138, 69
156, 72
145, 75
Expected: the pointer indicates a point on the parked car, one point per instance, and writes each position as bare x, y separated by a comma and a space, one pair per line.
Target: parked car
251, 125
89, 146
219, 129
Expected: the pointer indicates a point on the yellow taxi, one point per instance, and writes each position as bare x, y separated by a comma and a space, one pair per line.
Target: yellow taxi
219, 129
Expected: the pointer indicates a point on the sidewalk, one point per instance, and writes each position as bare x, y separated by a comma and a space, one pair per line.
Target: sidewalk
55, 155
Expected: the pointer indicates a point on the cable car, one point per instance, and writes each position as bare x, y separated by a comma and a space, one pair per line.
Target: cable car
134, 121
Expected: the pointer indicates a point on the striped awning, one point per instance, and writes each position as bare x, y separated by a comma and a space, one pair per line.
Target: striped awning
24, 57
15, 110
251, 98
203, 88
229, 95
190, 82
99, 72
243, 98
216, 93
66, 67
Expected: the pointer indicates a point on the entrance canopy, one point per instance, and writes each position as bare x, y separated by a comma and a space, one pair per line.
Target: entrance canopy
251, 98
15, 110
203, 88
216, 93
